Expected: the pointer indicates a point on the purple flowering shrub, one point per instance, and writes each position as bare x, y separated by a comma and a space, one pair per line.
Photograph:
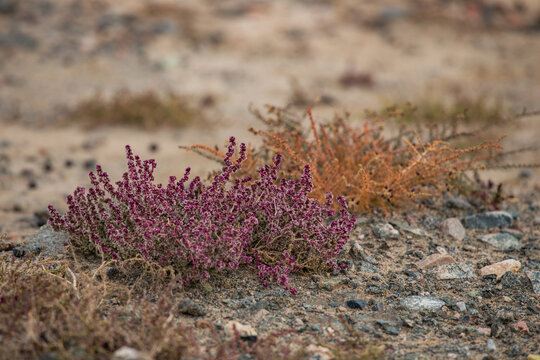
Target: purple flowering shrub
272, 225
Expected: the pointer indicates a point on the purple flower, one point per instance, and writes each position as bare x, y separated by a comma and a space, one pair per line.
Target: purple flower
267, 224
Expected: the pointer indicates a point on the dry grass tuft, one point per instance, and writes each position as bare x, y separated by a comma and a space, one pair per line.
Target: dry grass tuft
147, 110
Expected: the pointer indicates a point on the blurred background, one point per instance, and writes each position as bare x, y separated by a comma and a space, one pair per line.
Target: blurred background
81, 79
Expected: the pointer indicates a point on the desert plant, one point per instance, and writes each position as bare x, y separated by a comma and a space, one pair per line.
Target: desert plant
359, 163
147, 109
198, 228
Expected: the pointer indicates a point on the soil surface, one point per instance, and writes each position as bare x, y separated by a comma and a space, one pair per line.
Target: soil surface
224, 56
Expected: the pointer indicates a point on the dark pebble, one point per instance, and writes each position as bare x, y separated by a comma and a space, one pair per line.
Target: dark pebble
89, 164
153, 147
356, 304
68, 163
19, 253
32, 184
113, 273
189, 307
47, 166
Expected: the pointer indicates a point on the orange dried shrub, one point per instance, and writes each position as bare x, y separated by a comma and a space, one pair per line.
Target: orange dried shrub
359, 163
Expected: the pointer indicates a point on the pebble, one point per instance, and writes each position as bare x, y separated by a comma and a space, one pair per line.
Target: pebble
17, 39
520, 326
454, 271
385, 231
387, 327
533, 357
502, 241
500, 268
318, 352
488, 220
435, 260
47, 242
490, 345
316, 327
189, 307
369, 268
356, 304
246, 332
417, 303
534, 277
410, 229
454, 228
330, 284
461, 306
127, 353
457, 203
18, 253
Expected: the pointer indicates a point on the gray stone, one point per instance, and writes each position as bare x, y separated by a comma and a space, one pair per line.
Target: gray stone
453, 227
385, 231
455, 271
8, 6
534, 277
457, 203
502, 241
418, 303
330, 284
490, 345
17, 39
369, 268
410, 229
488, 220
461, 306
127, 353
356, 304
189, 307
47, 242
387, 327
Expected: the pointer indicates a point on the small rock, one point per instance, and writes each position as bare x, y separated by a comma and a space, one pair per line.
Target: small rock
319, 352
113, 273
246, 332
457, 203
417, 303
533, 357
490, 345
453, 227
435, 260
127, 353
385, 231
488, 220
504, 316
410, 229
369, 268
316, 327
387, 327
515, 233
454, 271
356, 304
17, 39
502, 241
18, 253
47, 242
8, 7
500, 268
534, 277
189, 307
520, 326
461, 306
330, 284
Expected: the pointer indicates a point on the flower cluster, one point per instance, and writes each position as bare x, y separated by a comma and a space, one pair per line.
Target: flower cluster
269, 224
